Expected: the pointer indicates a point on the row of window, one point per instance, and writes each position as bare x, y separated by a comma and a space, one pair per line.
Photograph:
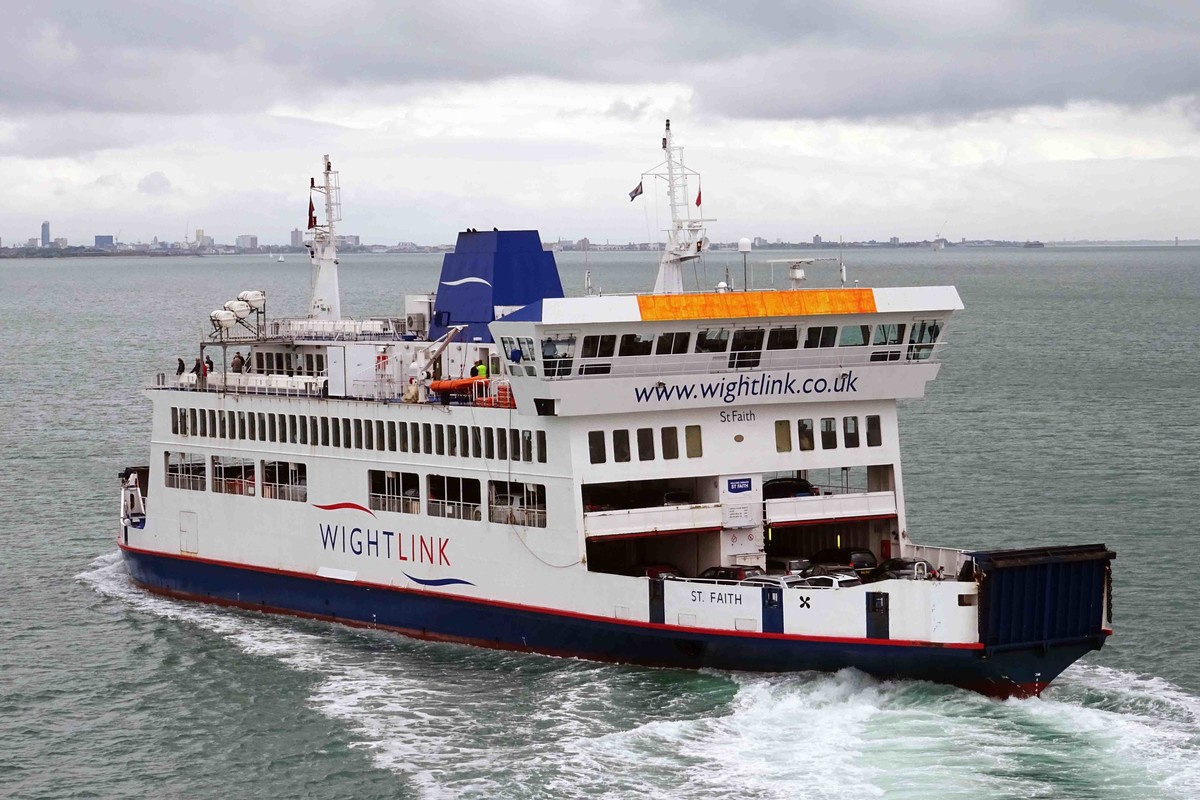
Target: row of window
468, 441
744, 345
447, 496
806, 439
281, 480
622, 444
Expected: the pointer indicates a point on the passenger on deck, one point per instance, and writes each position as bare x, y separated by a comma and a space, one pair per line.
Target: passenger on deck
238, 362
480, 369
198, 368
180, 368
208, 362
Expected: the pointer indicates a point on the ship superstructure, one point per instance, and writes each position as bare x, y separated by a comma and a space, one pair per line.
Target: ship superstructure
506, 466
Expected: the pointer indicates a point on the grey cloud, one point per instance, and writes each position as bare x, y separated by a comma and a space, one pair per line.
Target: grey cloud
761, 59
154, 183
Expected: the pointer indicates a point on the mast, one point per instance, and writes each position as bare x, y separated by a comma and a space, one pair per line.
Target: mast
685, 237
326, 296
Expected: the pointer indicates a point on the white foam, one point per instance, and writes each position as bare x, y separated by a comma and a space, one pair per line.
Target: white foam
459, 721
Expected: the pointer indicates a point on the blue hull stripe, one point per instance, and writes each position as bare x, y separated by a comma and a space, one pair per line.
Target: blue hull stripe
440, 617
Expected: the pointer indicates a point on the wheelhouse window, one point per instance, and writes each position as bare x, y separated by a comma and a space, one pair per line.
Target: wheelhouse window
855, 336
516, 503
453, 497
185, 471
672, 344
924, 335
783, 338
399, 492
559, 354
820, 337
602, 346
285, 480
232, 475
805, 428
850, 431
637, 344
829, 433
712, 340
874, 432
746, 350
888, 336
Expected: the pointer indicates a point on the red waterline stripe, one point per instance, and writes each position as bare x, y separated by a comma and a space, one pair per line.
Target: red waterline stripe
339, 506
556, 612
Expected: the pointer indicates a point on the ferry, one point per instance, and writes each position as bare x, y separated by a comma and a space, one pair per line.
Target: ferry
700, 477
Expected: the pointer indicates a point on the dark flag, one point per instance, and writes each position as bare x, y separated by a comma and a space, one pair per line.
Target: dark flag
312, 214
698, 191
636, 193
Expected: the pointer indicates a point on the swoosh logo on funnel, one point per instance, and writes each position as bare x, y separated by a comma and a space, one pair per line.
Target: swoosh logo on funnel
461, 281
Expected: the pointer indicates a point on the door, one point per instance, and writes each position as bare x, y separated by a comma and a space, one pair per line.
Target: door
877, 615
189, 532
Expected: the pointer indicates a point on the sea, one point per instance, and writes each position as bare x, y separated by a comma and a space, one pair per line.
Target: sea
1065, 413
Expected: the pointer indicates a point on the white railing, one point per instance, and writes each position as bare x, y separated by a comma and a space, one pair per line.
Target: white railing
946, 559
830, 506
253, 383
650, 520
398, 505
454, 510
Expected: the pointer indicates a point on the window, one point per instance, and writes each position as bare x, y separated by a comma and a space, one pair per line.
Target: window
232, 475
691, 436
712, 340
358, 434
174, 420
920, 342
271, 427
345, 432
325, 431
285, 480
515, 503
303, 429
559, 353
599, 346
783, 339
439, 439
596, 447
476, 442
252, 425
453, 497
402, 436
829, 433
889, 334
620, 445
874, 433
368, 434
203, 429
541, 447
746, 350
855, 336
820, 337
672, 344
427, 437
645, 444
336, 441
184, 471
451, 440
221, 422
805, 428
527, 446
502, 444
399, 492
489, 451
192, 427
636, 344
850, 431
670, 443
241, 424
528, 353
391, 435
783, 436
415, 430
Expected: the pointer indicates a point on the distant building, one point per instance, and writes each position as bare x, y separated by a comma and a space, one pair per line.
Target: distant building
760, 241
895, 240
583, 244
106, 241
61, 243
297, 238
247, 242
817, 240
32, 242
345, 241
46, 233
199, 235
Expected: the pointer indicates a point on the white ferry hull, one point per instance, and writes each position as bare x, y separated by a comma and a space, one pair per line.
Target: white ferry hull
509, 626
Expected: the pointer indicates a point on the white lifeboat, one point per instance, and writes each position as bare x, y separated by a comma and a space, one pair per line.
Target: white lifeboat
222, 318
240, 308
255, 297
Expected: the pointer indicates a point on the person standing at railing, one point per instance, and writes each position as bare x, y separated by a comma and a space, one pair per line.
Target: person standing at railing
208, 363
180, 368
238, 362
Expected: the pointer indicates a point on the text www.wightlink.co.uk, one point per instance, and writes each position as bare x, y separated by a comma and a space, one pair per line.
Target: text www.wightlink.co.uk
736, 387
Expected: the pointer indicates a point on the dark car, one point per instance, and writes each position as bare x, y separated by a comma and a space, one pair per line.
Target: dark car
658, 572
731, 573
911, 569
786, 565
859, 559
780, 488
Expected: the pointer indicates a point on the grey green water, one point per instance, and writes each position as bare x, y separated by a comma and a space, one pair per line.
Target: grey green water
1066, 412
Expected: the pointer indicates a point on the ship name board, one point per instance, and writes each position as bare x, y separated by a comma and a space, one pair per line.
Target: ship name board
379, 544
720, 598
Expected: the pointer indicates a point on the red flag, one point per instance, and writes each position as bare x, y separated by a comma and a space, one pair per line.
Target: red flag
698, 190
312, 214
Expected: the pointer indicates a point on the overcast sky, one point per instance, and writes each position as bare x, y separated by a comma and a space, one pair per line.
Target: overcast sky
1044, 120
